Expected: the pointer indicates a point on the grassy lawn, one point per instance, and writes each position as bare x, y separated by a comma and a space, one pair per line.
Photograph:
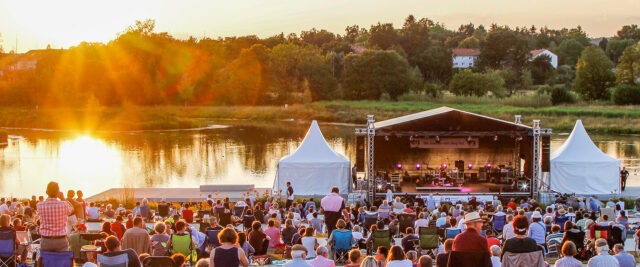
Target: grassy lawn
601, 118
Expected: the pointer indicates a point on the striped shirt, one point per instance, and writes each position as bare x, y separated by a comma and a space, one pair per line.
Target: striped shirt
53, 217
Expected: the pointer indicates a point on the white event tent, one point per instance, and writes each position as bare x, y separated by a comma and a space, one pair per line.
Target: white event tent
313, 168
579, 167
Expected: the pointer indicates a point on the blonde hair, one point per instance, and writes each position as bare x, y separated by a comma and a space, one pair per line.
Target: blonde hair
369, 261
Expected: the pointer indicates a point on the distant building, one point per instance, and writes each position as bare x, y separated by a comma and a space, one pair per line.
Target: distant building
538, 52
465, 57
357, 49
21, 62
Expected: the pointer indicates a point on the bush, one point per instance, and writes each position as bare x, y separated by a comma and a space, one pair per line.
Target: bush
544, 90
561, 95
625, 94
467, 83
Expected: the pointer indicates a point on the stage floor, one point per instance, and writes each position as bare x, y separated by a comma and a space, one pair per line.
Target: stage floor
408, 187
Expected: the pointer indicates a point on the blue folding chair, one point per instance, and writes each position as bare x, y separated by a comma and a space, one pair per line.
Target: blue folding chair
61, 259
342, 245
499, 222
452, 233
8, 246
212, 238
121, 260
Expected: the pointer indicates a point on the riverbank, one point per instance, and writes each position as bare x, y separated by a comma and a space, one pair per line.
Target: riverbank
600, 119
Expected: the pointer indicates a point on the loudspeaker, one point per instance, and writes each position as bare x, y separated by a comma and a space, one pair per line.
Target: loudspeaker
546, 153
460, 165
360, 152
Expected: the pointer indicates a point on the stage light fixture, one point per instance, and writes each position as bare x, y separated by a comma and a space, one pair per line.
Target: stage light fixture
495, 138
386, 138
469, 166
444, 165
488, 165
418, 166
379, 186
399, 165
437, 139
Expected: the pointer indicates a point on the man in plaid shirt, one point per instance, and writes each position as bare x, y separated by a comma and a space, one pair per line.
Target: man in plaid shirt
53, 214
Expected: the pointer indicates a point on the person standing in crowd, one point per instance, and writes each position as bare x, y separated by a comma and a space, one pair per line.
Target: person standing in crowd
289, 196
623, 178
228, 254
389, 195
470, 239
137, 238
603, 259
81, 213
54, 213
72, 220
624, 259
332, 206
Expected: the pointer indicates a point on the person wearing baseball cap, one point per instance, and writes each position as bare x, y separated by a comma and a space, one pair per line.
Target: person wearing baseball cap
299, 254
470, 239
537, 230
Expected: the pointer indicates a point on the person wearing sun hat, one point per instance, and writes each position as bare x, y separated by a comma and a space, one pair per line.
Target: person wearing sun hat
537, 230
470, 239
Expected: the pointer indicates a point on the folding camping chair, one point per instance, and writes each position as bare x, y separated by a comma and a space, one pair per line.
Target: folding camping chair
499, 221
341, 246
578, 240
428, 240
121, 260
212, 239
183, 244
158, 261
369, 220
380, 238
452, 233
8, 249
58, 259
406, 220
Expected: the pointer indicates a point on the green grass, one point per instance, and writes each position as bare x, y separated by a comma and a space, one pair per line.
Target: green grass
596, 118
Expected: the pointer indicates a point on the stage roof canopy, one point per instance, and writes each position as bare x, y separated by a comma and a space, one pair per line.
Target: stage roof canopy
449, 121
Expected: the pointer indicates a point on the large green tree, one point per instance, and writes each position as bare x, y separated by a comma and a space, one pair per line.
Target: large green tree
435, 64
615, 48
504, 46
382, 36
593, 74
569, 51
629, 32
414, 37
628, 69
373, 72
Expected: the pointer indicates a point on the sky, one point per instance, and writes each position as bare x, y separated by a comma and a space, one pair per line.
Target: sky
64, 23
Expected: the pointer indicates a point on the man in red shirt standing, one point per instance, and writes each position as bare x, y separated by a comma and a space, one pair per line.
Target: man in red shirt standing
53, 214
470, 239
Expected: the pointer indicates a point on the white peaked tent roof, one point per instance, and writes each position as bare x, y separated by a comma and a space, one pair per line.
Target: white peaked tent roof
314, 149
579, 148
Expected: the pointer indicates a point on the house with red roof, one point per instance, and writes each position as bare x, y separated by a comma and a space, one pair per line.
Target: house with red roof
465, 57
539, 52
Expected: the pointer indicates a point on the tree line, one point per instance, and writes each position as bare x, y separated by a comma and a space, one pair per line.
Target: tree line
144, 67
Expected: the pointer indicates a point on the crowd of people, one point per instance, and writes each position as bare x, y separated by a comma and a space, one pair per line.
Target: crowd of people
225, 233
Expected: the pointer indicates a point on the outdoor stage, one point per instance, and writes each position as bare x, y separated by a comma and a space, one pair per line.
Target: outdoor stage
450, 151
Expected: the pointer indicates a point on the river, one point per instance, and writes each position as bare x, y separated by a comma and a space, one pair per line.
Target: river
228, 152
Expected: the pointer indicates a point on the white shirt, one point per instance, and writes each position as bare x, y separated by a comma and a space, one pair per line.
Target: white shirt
603, 260
402, 263
389, 196
507, 231
3, 208
357, 235
621, 203
495, 261
420, 223
309, 242
93, 213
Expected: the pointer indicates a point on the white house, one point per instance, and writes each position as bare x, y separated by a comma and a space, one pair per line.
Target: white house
538, 52
465, 57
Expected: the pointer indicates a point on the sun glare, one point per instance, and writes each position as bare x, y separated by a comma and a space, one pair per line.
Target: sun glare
86, 156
